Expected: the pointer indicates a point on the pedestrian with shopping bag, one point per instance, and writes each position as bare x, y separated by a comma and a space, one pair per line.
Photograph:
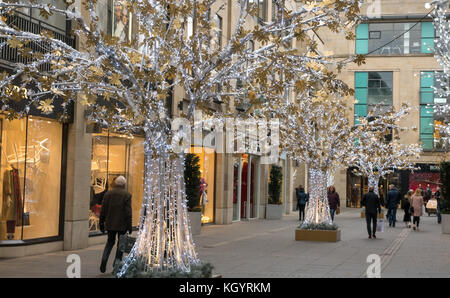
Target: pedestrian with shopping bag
115, 218
333, 201
371, 201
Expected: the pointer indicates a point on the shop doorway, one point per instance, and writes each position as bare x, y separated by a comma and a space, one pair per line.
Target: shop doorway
245, 187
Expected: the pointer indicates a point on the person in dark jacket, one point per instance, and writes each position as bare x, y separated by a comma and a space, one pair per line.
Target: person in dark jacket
115, 218
427, 195
437, 196
371, 202
406, 206
302, 199
393, 198
333, 201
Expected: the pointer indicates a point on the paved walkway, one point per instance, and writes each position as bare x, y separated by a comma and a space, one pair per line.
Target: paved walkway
263, 248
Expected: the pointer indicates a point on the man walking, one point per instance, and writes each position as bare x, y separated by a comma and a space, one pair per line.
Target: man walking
372, 203
393, 198
115, 217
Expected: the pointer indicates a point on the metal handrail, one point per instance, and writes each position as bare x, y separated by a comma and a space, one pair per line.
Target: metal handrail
29, 24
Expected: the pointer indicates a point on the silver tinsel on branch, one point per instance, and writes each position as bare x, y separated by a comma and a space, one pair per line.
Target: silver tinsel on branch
318, 211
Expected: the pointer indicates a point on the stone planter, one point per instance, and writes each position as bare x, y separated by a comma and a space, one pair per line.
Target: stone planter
274, 211
318, 235
196, 222
445, 223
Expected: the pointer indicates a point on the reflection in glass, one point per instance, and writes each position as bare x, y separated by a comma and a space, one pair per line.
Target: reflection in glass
394, 38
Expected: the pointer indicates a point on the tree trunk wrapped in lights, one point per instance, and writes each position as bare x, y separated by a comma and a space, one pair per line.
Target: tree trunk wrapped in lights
318, 211
124, 84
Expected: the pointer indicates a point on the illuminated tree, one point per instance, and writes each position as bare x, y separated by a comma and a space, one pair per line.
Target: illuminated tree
375, 156
124, 83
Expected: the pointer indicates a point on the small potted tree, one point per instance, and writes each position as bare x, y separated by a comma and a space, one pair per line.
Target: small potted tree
274, 208
445, 197
192, 178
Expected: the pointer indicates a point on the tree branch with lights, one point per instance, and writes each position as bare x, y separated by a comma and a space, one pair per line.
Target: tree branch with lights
374, 155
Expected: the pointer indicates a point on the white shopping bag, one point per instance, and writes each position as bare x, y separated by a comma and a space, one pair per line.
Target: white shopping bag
380, 225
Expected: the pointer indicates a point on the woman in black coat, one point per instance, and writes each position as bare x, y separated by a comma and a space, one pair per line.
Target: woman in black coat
406, 206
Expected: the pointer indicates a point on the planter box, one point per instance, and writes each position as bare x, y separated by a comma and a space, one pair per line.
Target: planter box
445, 223
196, 222
318, 235
274, 211
380, 215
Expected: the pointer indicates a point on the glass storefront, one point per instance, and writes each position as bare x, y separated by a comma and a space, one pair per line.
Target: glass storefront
31, 150
116, 155
207, 170
244, 187
403, 180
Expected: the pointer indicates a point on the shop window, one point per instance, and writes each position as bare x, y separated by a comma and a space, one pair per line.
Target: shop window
207, 170
116, 155
31, 177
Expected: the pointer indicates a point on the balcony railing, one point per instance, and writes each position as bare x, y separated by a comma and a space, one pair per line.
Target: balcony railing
29, 24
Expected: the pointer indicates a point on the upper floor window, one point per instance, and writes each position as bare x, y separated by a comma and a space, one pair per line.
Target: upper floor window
434, 116
219, 25
35, 22
115, 19
371, 89
262, 9
395, 38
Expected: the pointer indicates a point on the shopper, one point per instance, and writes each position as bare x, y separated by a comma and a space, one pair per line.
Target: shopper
333, 201
302, 199
417, 205
115, 218
427, 195
371, 202
421, 190
437, 196
393, 198
406, 206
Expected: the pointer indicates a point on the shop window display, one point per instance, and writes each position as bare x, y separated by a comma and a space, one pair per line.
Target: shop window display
31, 177
207, 170
115, 155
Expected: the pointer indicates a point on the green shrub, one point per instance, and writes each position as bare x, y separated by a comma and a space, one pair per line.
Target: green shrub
276, 177
192, 178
